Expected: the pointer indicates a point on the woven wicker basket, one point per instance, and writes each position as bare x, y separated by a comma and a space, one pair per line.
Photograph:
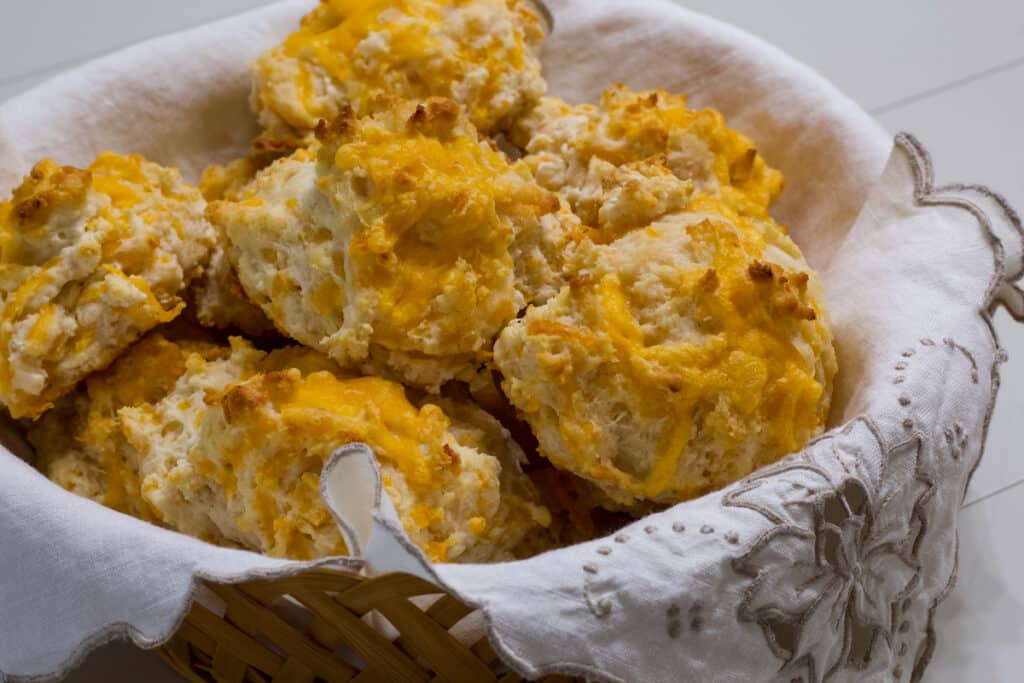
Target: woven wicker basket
330, 634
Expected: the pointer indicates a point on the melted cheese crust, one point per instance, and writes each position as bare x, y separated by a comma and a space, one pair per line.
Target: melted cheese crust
575, 150
89, 261
405, 246
683, 356
480, 53
233, 454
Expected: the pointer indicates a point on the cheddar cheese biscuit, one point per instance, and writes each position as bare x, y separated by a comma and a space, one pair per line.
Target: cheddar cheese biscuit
348, 53
683, 356
235, 451
404, 247
89, 261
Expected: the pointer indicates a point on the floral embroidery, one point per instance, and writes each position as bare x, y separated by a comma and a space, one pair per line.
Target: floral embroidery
849, 533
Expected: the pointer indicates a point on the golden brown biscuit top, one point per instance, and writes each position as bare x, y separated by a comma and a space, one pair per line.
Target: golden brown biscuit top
89, 260
25, 219
322, 406
353, 52
695, 330
634, 126
427, 198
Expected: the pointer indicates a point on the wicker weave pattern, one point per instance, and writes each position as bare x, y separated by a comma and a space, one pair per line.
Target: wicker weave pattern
329, 633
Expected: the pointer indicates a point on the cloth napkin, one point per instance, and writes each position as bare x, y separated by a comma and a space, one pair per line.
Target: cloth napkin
827, 565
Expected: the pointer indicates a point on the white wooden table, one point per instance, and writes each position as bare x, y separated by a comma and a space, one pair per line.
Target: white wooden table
951, 72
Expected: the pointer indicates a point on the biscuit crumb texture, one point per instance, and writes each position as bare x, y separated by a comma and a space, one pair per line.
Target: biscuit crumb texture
218, 297
355, 53
90, 260
79, 441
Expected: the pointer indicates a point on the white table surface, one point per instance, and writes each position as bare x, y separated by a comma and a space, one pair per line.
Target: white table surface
951, 72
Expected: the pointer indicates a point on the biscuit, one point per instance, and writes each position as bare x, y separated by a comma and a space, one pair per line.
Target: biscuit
164, 433
682, 357
403, 248
482, 54
234, 454
568, 147
89, 261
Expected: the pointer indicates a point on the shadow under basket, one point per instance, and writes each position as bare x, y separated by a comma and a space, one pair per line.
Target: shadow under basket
331, 625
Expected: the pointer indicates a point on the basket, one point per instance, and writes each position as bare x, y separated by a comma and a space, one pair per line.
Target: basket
250, 640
